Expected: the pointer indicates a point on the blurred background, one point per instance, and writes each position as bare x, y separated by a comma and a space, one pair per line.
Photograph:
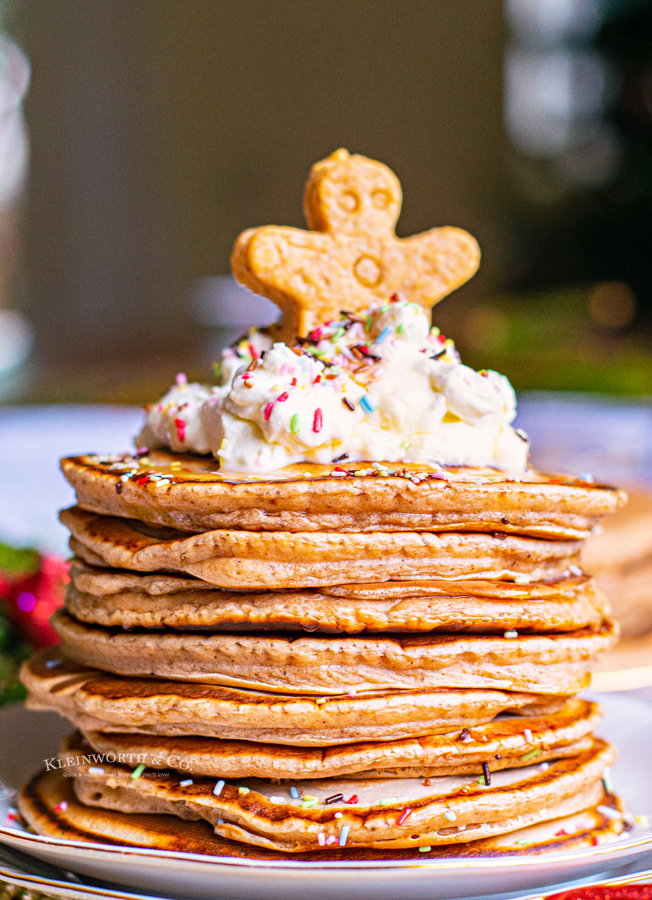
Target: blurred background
139, 137
158, 130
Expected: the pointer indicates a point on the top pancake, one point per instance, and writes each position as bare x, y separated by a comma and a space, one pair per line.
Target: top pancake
193, 496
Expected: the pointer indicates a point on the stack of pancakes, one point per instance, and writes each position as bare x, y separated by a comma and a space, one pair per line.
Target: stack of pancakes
363, 659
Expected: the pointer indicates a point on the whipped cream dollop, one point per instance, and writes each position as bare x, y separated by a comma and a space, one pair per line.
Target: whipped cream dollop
377, 386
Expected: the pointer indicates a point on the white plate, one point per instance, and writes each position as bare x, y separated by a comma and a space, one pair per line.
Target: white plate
628, 724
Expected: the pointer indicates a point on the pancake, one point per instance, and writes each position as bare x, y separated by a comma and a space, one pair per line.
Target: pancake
97, 701
251, 559
545, 664
505, 743
306, 497
630, 592
448, 810
128, 600
49, 805
624, 538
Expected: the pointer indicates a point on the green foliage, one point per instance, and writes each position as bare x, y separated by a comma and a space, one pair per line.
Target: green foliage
13, 652
17, 560
547, 341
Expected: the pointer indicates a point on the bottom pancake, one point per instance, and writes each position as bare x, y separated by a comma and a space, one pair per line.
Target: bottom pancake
98, 701
392, 813
49, 807
505, 743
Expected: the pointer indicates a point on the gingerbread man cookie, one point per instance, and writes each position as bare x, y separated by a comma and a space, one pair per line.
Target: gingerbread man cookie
351, 258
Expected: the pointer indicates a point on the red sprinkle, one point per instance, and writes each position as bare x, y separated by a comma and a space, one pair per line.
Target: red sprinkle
318, 421
143, 480
611, 892
253, 353
283, 397
352, 800
268, 411
180, 425
404, 815
317, 379
561, 833
340, 469
293, 382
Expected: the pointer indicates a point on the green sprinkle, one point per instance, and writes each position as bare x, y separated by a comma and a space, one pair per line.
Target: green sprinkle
368, 323
406, 445
481, 780
138, 771
308, 804
400, 329
531, 755
339, 334
523, 842
388, 801
294, 424
424, 849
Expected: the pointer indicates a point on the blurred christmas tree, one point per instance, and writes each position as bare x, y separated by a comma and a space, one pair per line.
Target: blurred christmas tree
577, 206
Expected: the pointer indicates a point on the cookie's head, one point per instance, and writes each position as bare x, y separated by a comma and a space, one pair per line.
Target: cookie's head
349, 193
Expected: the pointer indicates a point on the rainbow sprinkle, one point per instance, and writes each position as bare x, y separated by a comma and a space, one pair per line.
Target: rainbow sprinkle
531, 755
407, 812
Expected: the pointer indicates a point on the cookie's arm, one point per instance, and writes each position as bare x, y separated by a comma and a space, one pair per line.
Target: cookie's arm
437, 262
287, 266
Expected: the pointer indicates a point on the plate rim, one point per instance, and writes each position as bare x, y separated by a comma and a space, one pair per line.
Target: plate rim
636, 845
